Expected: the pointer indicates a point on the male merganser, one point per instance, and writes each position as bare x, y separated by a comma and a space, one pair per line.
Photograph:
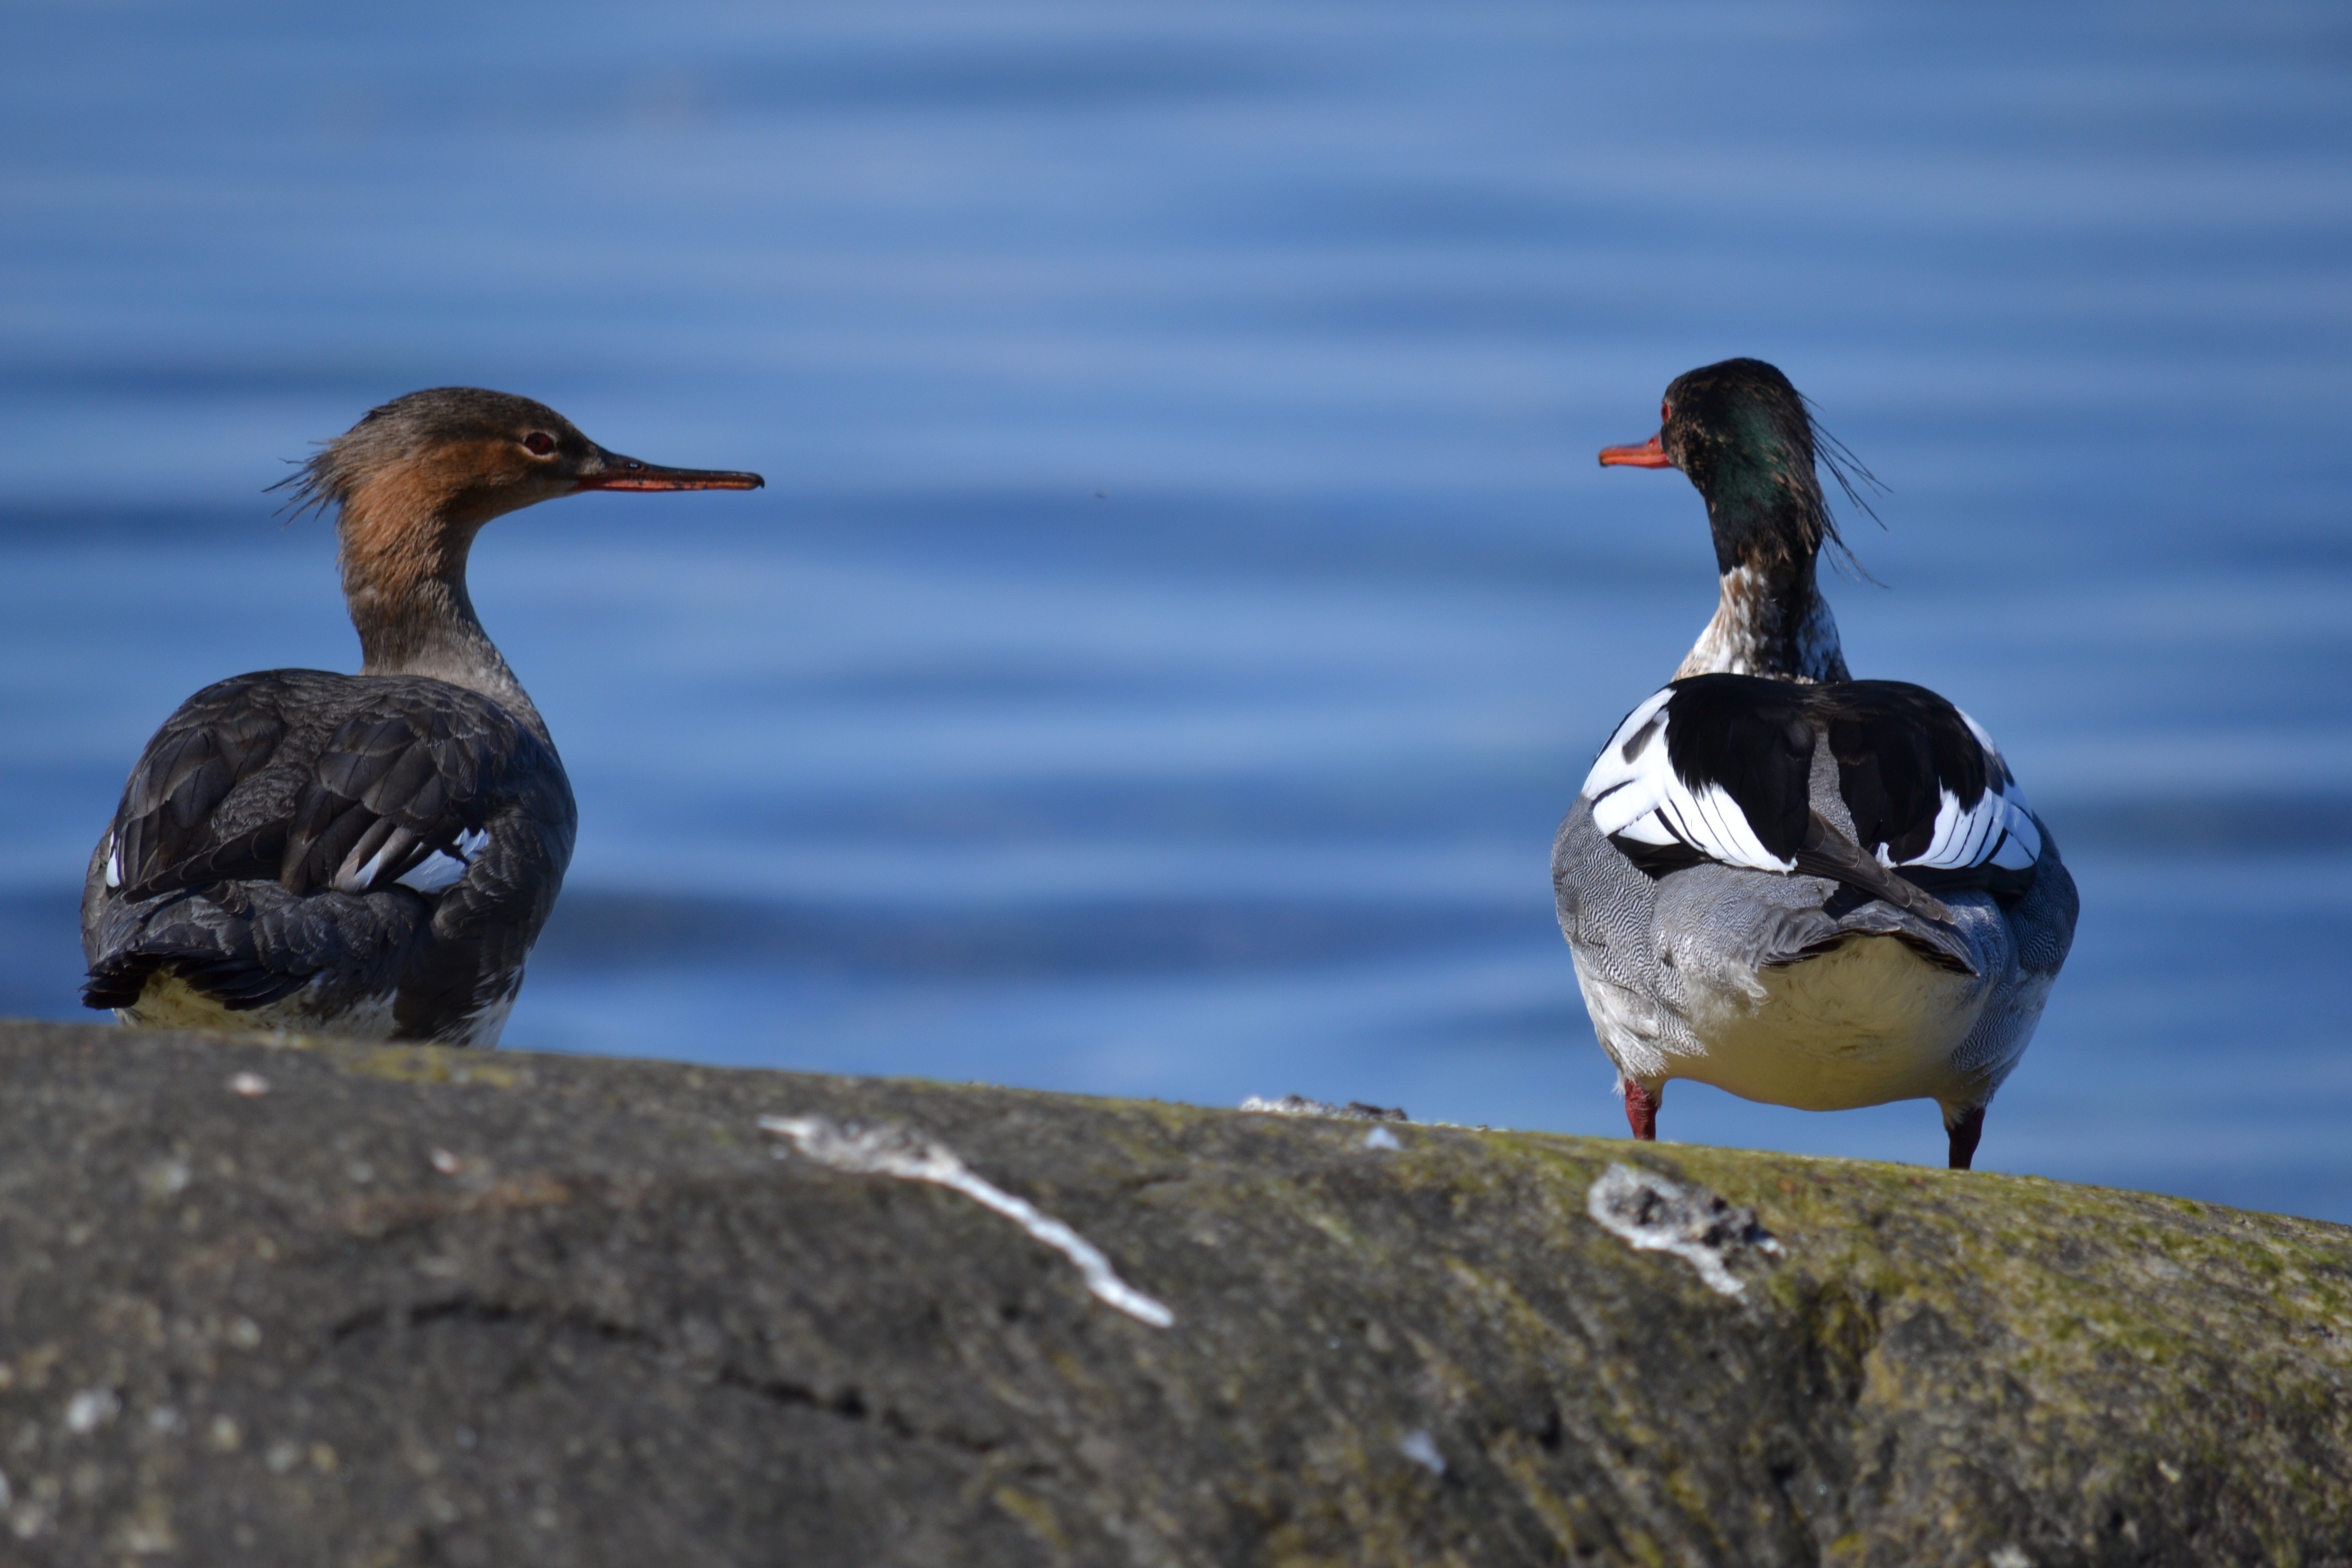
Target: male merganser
370, 854
1804, 889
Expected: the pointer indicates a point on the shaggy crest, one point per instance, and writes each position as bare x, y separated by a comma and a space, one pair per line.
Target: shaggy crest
1748, 439
403, 429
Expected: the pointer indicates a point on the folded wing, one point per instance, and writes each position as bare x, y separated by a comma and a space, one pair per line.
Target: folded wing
296, 824
1721, 768
398, 792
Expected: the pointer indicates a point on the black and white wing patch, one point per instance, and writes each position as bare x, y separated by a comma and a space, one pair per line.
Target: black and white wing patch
1637, 794
1998, 830
422, 867
1720, 768
1929, 792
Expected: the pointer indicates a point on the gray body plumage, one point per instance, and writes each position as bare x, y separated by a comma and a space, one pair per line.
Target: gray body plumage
1663, 962
253, 874
370, 854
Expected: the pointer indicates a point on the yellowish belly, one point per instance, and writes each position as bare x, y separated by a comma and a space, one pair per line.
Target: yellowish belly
168, 1002
1868, 1021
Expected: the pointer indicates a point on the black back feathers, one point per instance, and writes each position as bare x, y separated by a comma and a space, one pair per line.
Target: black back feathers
1722, 768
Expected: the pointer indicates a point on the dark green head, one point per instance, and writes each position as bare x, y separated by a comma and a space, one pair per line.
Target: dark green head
1743, 435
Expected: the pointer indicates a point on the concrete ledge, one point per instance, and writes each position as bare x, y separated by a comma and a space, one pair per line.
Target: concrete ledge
329, 1303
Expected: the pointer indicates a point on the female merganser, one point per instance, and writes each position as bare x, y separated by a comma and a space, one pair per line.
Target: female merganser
1802, 887
370, 854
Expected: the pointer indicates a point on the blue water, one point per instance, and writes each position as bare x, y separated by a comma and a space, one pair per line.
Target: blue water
1184, 599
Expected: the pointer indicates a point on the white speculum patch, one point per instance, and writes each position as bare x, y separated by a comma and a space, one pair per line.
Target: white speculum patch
441, 870
1868, 1021
436, 872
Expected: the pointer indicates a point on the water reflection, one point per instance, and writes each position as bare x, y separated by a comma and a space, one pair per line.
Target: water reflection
1186, 601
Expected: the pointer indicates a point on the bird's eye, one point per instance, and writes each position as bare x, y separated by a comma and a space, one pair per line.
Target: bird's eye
1666, 412
539, 443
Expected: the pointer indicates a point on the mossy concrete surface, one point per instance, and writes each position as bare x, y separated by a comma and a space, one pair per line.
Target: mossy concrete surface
322, 1303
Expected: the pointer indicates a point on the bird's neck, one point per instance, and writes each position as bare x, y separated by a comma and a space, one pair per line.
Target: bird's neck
1766, 512
404, 557
1770, 621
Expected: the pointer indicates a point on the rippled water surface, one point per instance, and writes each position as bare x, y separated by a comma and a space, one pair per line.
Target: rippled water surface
1185, 600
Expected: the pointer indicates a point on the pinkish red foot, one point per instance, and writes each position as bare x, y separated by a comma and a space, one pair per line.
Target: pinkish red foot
1641, 1110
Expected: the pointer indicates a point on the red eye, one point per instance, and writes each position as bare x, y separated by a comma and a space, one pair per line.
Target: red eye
539, 443
1666, 412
